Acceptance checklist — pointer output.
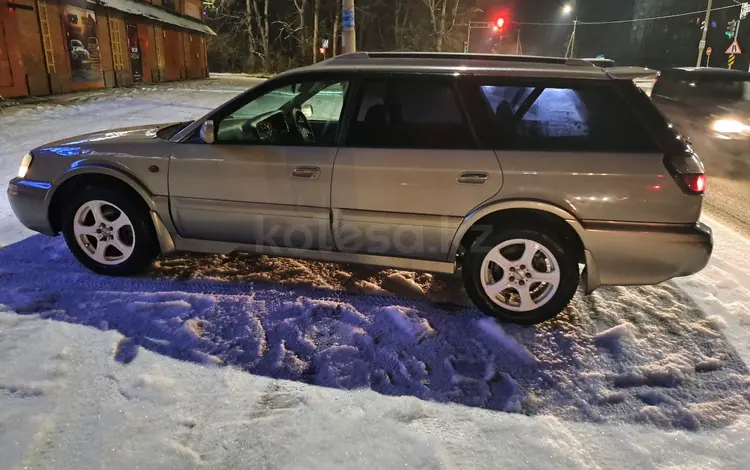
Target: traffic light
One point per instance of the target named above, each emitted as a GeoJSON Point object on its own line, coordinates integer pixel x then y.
{"type": "Point", "coordinates": [731, 29]}
{"type": "Point", "coordinates": [500, 23]}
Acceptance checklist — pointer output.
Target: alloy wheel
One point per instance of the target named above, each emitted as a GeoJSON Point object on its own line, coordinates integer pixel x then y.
{"type": "Point", "coordinates": [104, 232]}
{"type": "Point", "coordinates": [520, 275]}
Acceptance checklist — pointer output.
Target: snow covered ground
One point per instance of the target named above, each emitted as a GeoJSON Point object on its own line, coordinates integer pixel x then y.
{"type": "Point", "coordinates": [253, 362]}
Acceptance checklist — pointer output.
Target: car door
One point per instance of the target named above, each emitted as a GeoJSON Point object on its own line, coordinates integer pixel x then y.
{"type": "Point", "coordinates": [410, 169]}
{"type": "Point", "coordinates": [262, 181]}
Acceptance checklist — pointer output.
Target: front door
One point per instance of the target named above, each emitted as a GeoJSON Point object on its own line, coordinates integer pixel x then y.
{"type": "Point", "coordinates": [136, 64]}
{"type": "Point", "coordinates": [411, 170]}
{"type": "Point", "coordinates": [266, 180]}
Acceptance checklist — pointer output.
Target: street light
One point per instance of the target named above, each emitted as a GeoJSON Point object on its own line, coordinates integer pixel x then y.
{"type": "Point", "coordinates": [568, 10]}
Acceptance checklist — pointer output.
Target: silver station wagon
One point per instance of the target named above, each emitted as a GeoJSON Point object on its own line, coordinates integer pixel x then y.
{"type": "Point", "coordinates": [524, 174]}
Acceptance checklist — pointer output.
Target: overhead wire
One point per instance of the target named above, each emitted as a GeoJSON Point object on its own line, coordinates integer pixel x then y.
{"type": "Point", "coordinates": [633, 20]}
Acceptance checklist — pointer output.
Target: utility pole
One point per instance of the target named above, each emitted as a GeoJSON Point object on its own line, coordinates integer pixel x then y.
{"type": "Point", "coordinates": [348, 35]}
{"type": "Point", "coordinates": [569, 52]}
{"type": "Point", "coordinates": [702, 43]}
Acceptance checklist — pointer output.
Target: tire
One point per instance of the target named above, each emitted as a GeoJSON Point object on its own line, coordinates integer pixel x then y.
{"type": "Point", "coordinates": [486, 265]}
{"type": "Point", "coordinates": [131, 245]}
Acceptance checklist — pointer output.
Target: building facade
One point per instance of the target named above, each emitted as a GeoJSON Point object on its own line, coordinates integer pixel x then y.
{"type": "Point", "coordinates": [58, 46]}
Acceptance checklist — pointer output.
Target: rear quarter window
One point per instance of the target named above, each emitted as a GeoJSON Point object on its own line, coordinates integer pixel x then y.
{"type": "Point", "coordinates": [578, 118]}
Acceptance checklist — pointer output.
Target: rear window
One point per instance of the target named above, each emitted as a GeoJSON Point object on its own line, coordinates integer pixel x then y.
{"type": "Point", "coordinates": [566, 118]}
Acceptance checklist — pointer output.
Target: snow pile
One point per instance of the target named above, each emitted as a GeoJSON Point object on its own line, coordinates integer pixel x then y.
{"type": "Point", "coordinates": [624, 355]}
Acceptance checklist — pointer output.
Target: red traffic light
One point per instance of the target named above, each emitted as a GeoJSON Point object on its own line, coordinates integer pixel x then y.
{"type": "Point", "coordinates": [500, 22]}
{"type": "Point", "coordinates": [322, 50]}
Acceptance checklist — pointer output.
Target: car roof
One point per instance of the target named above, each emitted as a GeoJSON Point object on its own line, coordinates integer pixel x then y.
{"type": "Point", "coordinates": [472, 64]}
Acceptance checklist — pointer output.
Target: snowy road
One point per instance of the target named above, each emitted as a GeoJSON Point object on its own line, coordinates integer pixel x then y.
{"type": "Point", "coordinates": [348, 367]}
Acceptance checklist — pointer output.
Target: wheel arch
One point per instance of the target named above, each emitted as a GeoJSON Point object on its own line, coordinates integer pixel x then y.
{"type": "Point", "coordinates": [521, 211]}
{"type": "Point", "coordinates": [105, 175]}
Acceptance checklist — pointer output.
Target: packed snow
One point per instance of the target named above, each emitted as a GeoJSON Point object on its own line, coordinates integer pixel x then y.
{"type": "Point", "coordinates": [239, 361]}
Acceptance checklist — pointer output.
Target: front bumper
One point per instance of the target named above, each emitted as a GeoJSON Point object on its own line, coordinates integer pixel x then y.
{"type": "Point", "coordinates": [641, 254]}
{"type": "Point", "coordinates": [28, 199]}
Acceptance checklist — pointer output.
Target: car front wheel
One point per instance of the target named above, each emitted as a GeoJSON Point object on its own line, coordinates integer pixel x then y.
{"type": "Point", "coordinates": [520, 276]}
{"type": "Point", "coordinates": [109, 232]}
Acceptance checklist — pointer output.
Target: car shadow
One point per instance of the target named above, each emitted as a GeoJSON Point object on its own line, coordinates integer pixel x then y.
{"type": "Point", "coordinates": [644, 355]}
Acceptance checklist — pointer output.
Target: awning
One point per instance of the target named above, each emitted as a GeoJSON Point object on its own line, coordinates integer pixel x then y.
{"type": "Point", "coordinates": [155, 13]}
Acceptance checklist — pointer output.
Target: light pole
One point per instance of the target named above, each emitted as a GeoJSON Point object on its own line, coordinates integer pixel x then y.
{"type": "Point", "coordinates": [569, 51]}
{"type": "Point", "coordinates": [348, 35]}
{"type": "Point", "coordinates": [702, 43]}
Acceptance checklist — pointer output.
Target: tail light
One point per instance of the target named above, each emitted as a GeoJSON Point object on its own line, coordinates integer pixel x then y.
{"type": "Point", "coordinates": [687, 171]}
{"type": "Point", "coordinates": [696, 183]}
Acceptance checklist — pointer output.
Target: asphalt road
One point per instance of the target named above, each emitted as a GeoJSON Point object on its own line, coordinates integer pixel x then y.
{"type": "Point", "coordinates": [728, 167]}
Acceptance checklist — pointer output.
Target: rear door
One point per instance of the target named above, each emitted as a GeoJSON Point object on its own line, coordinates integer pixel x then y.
{"type": "Point", "coordinates": [410, 170]}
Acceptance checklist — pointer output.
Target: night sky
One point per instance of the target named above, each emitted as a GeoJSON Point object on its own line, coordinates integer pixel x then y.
{"type": "Point", "coordinates": [666, 43]}
{"type": "Point", "coordinates": [552, 40]}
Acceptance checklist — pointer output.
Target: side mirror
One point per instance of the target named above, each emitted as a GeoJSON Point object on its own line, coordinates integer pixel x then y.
{"type": "Point", "coordinates": [208, 132]}
{"type": "Point", "coordinates": [307, 110]}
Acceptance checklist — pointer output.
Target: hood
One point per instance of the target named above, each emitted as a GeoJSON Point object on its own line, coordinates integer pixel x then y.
{"type": "Point", "coordinates": [125, 134]}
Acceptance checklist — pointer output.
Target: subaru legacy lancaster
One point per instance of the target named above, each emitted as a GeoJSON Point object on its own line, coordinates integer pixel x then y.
{"type": "Point", "coordinates": [526, 175]}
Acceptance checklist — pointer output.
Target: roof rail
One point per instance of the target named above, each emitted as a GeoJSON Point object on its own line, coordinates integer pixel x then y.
{"type": "Point", "coordinates": [458, 56]}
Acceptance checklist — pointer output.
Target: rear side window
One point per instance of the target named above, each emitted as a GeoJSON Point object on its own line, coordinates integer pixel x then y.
{"type": "Point", "coordinates": [594, 118]}
{"type": "Point", "coordinates": [409, 113]}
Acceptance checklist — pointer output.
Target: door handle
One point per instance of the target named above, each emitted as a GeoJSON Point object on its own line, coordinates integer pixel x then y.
{"type": "Point", "coordinates": [473, 177]}
{"type": "Point", "coordinates": [307, 172]}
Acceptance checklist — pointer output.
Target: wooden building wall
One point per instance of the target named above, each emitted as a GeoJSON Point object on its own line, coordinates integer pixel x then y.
{"type": "Point", "coordinates": [167, 53]}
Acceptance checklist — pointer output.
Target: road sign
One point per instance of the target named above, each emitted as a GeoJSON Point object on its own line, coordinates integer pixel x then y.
{"type": "Point", "coordinates": [745, 10]}
{"type": "Point", "coordinates": [731, 60]}
{"type": "Point", "coordinates": [734, 48]}
{"type": "Point", "coordinates": [325, 43]}
{"type": "Point", "coordinates": [709, 51]}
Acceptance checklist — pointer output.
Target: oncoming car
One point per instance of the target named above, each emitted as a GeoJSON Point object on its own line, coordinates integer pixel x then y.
{"type": "Point", "coordinates": [712, 106]}
{"type": "Point", "coordinates": [522, 174]}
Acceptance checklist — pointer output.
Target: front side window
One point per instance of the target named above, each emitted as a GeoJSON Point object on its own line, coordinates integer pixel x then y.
{"type": "Point", "coordinates": [566, 118]}
{"type": "Point", "coordinates": [409, 113]}
{"type": "Point", "coordinates": [306, 113]}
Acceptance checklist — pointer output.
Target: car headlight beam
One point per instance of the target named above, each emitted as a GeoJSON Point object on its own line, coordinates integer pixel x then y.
{"type": "Point", "coordinates": [25, 164]}
{"type": "Point", "coordinates": [729, 126]}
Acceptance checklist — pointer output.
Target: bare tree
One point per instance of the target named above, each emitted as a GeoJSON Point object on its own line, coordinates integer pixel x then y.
{"type": "Point", "coordinates": [316, 29]}
{"type": "Point", "coordinates": [400, 19]}
{"type": "Point", "coordinates": [336, 23]}
{"type": "Point", "coordinates": [443, 14]}
{"type": "Point", "coordinates": [261, 16]}
{"type": "Point", "coordinates": [301, 7]}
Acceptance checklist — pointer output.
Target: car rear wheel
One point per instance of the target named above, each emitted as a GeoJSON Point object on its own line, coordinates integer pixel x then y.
{"type": "Point", "coordinates": [521, 276]}
{"type": "Point", "coordinates": [109, 232]}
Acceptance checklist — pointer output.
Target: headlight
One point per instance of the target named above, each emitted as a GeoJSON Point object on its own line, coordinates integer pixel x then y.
{"type": "Point", "coordinates": [25, 164]}
{"type": "Point", "coordinates": [729, 126]}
